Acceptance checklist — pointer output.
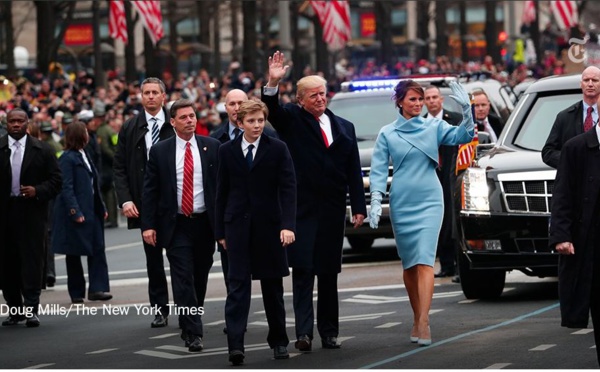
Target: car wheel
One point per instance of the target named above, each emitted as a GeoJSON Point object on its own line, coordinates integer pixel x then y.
{"type": "Point", "coordinates": [360, 243]}
{"type": "Point", "coordinates": [479, 284]}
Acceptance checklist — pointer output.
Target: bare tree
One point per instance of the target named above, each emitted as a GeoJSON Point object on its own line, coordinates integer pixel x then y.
{"type": "Point", "coordinates": [383, 31]}
{"type": "Point", "coordinates": [266, 10]}
{"type": "Point", "coordinates": [205, 9]}
{"type": "Point", "coordinates": [9, 42]}
{"type": "Point", "coordinates": [441, 29]}
{"type": "Point", "coordinates": [249, 49]}
{"type": "Point", "coordinates": [216, 71]}
{"type": "Point", "coordinates": [48, 16]}
{"type": "Point", "coordinates": [235, 39]}
{"type": "Point", "coordinates": [463, 30]}
{"type": "Point", "coordinates": [130, 65]}
{"type": "Point", "coordinates": [98, 70]}
{"type": "Point", "coordinates": [423, 29]}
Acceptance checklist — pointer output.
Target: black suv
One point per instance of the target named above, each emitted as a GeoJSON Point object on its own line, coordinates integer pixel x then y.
{"type": "Point", "coordinates": [505, 197]}
{"type": "Point", "coordinates": [369, 106]}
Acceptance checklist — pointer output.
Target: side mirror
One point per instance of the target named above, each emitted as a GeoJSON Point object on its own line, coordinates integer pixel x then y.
{"type": "Point", "coordinates": [483, 149]}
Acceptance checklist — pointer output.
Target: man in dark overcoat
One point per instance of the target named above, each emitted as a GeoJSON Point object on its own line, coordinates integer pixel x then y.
{"type": "Point", "coordinates": [255, 222]}
{"type": "Point", "coordinates": [135, 140]}
{"type": "Point", "coordinates": [571, 121]}
{"type": "Point", "coordinates": [24, 198]}
{"type": "Point", "coordinates": [574, 227]}
{"type": "Point", "coordinates": [446, 249]}
{"type": "Point", "coordinates": [327, 164]}
{"type": "Point", "coordinates": [187, 235]}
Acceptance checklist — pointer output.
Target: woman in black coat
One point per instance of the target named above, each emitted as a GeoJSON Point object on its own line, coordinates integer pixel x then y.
{"type": "Point", "coordinates": [79, 214]}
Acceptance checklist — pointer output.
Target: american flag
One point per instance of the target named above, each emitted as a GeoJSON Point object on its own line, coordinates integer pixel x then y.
{"type": "Point", "coordinates": [528, 12]}
{"type": "Point", "coordinates": [335, 20]}
{"type": "Point", "coordinates": [466, 153]}
{"type": "Point", "coordinates": [565, 13]}
{"type": "Point", "coordinates": [117, 26]}
{"type": "Point", "coordinates": [151, 18]}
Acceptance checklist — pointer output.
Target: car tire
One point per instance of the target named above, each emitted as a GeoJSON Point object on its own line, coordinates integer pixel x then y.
{"type": "Point", "coordinates": [360, 243]}
{"type": "Point", "coordinates": [480, 284]}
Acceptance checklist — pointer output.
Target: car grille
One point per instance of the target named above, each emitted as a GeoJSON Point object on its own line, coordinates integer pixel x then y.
{"type": "Point", "coordinates": [528, 196]}
{"type": "Point", "coordinates": [366, 171]}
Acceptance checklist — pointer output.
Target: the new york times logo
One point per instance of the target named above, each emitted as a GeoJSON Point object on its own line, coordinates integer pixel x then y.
{"type": "Point", "coordinates": [576, 52]}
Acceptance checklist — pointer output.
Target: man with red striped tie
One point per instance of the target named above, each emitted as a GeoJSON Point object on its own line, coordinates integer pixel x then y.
{"type": "Point", "coordinates": [180, 216]}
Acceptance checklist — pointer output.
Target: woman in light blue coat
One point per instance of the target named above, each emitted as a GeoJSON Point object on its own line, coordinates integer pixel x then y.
{"type": "Point", "coordinates": [416, 199]}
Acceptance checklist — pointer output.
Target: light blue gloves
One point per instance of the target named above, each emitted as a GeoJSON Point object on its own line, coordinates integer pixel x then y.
{"type": "Point", "coordinates": [375, 211]}
{"type": "Point", "coordinates": [460, 95]}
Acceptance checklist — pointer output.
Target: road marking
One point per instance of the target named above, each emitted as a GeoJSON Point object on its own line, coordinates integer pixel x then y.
{"type": "Point", "coordinates": [435, 311]}
{"type": "Point", "coordinates": [378, 300]}
{"type": "Point", "coordinates": [166, 335]}
{"type": "Point", "coordinates": [468, 301]}
{"type": "Point", "coordinates": [37, 366]}
{"type": "Point", "coordinates": [389, 325]}
{"type": "Point", "coordinates": [460, 336]}
{"type": "Point", "coordinates": [188, 354]}
{"type": "Point", "coordinates": [218, 322]}
{"type": "Point", "coordinates": [498, 366]}
{"type": "Point", "coordinates": [543, 347]}
{"type": "Point", "coordinates": [102, 351]}
{"type": "Point", "coordinates": [584, 331]}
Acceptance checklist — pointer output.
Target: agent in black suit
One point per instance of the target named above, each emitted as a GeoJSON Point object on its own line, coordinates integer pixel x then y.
{"type": "Point", "coordinates": [178, 201]}
{"type": "Point", "coordinates": [327, 164]}
{"type": "Point", "coordinates": [447, 158]}
{"type": "Point", "coordinates": [254, 226]}
{"type": "Point", "coordinates": [573, 232]}
{"type": "Point", "coordinates": [570, 121]}
{"type": "Point", "coordinates": [24, 198]}
{"type": "Point", "coordinates": [133, 146]}
{"type": "Point", "coordinates": [484, 119]}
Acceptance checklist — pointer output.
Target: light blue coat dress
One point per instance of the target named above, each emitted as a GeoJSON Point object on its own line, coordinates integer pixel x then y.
{"type": "Point", "coordinates": [416, 199]}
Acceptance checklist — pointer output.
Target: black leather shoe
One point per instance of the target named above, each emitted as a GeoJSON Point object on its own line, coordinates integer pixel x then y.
{"type": "Point", "coordinates": [32, 321]}
{"type": "Point", "coordinates": [77, 300]}
{"type": "Point", "coordinates": [50, 281]}
{"type": "Point", "coordinates": [99, 296]}
{"type": "Point", "coordinates": [280, 352]}
{"type": "Point", "coordinates": [13, 320]}
{"type": "Point", "coordinates": [456, 279]}
{"type": "Point", "coordinates": [195, 343]}
{"type": "Point", "coordinates": [444, 274]}
{"type": "Point", "coordinates": [159, 321]}
{"type": "Point", "coordinates": [236, 357]}
{"type": "Point", "coordinates": [303, 343]}
{"type": "Point", "coordinates": [330, 343]}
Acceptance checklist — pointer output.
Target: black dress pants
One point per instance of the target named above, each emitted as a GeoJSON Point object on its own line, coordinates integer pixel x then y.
{"type": "Point", "coordinates": [303, 282]}
{"type": "Point", "coordinates": [158, 289]}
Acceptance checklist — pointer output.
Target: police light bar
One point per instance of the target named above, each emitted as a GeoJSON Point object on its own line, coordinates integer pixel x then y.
{"type": "Point", "coordinates": [389, 84]}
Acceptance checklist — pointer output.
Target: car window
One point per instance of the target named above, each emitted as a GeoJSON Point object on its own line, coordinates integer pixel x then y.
{"type": "Point", "coordinates": [368, 114]}
{"type": "Point", "coordinates": [539, 121]}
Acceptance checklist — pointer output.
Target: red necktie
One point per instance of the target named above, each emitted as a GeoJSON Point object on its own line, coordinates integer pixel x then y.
{"type": "Point", "coordinates": [323, 133]}
{"type": "Point", "coordinates": [588, 123]}
{"type": "Point", "coordinates": [187, 195]}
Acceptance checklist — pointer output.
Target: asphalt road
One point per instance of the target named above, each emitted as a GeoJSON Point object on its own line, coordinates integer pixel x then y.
{"type": "Point", "coordinates": [520, 330]}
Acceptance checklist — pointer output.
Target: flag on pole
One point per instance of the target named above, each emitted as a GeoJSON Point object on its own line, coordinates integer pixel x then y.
{"type": "Point", "coordinates": [466, 153]}
{"type": "Point", "coordinates": [334, 17]}
{"type": "Point", "coordinates": [151, 17]}
{"type": "Point", "coordinates": [528, 13]}
{"type": "Point", "coordinates": [117, 26]}
{"type": "Point", "coordinates": [565, 13]}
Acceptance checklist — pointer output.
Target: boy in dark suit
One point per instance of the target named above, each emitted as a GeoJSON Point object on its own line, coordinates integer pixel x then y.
{"type": "Point", "coordinates": [255, 222]}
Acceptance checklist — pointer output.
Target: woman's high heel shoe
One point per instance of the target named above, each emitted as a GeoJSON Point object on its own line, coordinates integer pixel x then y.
{"type": "Point", "coordinates": [425, 341]}
{"type": "Point", "coordinates": [414, 339]}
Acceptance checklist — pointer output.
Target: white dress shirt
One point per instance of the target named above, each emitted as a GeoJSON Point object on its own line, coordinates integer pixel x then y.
{"type": "Point", "coordinates": [325, 125]}
{"type": "Point", "coordinates": [180, 144]}
{"type": "Point", "coordinates": [245, 145]}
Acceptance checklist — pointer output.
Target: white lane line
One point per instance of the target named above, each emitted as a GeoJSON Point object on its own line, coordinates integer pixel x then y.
{"type": "Point", "coordinates": [218, 322]}
{"type": "Point", "coordinates": [435, 311]}
{"type": "Point", "coordinates": [467, 301]}
{"type": "Point", "coordinates": [102, 351]}
{"type": "Point", "coordinates": [389, 325]}
{"type": "Point", "coordinates": [584, 331]}
{"type": "Point", "coordinates": [166, 335]}
{"type": "Point", "coordinates": [37, 366]}
{"type": "Point", "coordinates": [187, 354]}
{"type": "Point", "coordinates": [375, 300]}
{"type": "Point", "coordinates": [543, 347]}
{"type": "Point", "coordinates": [498, 366]}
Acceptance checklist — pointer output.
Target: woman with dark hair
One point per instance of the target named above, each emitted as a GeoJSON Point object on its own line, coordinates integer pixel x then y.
{"type": "Point", "coordinates": [416, 199]}
{"type": "Point", "coordinates": [79, 215]}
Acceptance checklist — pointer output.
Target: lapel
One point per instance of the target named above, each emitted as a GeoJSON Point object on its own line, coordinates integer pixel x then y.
{"type": "Point", "coordinates": [314, 125]}
{"type": "Point", "coordinates": [80, 161]}
{"type": "Point", "coordinates": [237, 153]}
{"type": "Point", "coordinates": [142, 129]}
{"type": "Point", "coordinates": [579, 118]}
{"type": "Point", "coordinates": [5, 159]}
{"type": "Point", "coordinates": [263, 148]}
{"type": "Point", "coordinates": [202, 149]}
{"type": "Point", "coordinates": [171, 152]}
{"type": "Point", "coordinates": [336, 128]}
{"type": "Point", "coordinates": [31, 150]}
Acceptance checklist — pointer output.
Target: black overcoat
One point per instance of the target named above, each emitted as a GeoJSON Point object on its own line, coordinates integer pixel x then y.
{"type": "Point", "coordinates": [576, 219]}
{"type": "Point", "coordinates": [130, 160]}
{"type": "Point", "coordinates": [39, 169]}
{"type": "Point", "coordinates": [253, 206]}
{"type": "Point", "coordinates": [568, 124]}
{"type": "Point", "coordinates": [324, 176]}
